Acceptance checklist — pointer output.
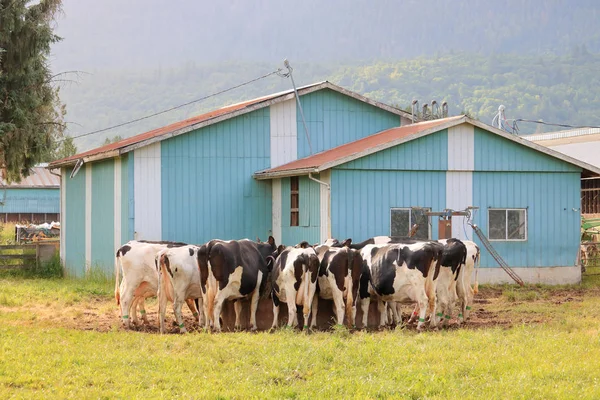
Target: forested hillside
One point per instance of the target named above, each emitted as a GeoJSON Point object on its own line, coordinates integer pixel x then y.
{"type": "Point", "coordinates": [561, 89]}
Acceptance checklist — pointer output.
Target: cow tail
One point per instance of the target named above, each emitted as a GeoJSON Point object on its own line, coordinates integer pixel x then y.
{"type": "Point", "coordinates": [349, 298]}
{"type": "Point", "coordinates": [165, 283]}
{"type": "Point", "coordinates": [477, 262]}
{"type": "Point", "coordinates": [117, 271]}
{"type": "Point", "coordinates": [211, 292]}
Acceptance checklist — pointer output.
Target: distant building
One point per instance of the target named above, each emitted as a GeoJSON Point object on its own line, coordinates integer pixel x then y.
{"type": "Point", "coordinates": [36, 199]}
{"type": "Point", "coordinates": [582, 144]}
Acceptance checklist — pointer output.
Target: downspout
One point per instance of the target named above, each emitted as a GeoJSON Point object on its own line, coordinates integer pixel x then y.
{"type": "Point", "coordinates": [328, 186]}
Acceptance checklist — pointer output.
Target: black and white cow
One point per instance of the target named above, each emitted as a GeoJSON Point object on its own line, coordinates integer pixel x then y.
{"type": "Point", "coordinates": [233, 270]}
{"type": "Point", "coordinates": [178, 281]}
{"type": "Point", "coordinates": [294, 282]}
{"type": "Point", "coordinates": [382, 240]}
{"type": "Point", "coordinates": [338, 280]}
{"type": "Point", "coordinates": [464, 290]}
{"type": "Point", "coordinates": [136, 259]}
{"type": "Point", "coordinates": [397, 273]}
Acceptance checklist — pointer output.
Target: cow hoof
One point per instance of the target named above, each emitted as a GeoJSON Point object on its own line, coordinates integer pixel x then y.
{"type": "Point", "coordinates": [253, 329]}
{"type": "Point", "coordinates": [238, 328]}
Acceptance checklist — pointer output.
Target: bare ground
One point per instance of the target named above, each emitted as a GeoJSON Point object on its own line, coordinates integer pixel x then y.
{"type": "Point", "coordinates": [491, 308]}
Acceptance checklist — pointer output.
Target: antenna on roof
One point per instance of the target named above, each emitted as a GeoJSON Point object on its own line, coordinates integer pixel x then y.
{"type": "Point", "coordinates": [288, 74]}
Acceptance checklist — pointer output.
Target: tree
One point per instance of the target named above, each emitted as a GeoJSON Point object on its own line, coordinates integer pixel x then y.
{"type": "Point", "coordinates": [65, 149]}
{"type": "Point", "coordinates": [30, 112]}
{"type": "Point", "coordinates": [113, 140]}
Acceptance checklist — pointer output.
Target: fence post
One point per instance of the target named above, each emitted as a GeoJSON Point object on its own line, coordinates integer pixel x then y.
{"type": "Point", "coordinates": [37, 255]}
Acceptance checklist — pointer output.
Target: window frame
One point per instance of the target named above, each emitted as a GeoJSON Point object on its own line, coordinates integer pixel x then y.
{"type": "Point", "coordinates": [410, 222]}
{"type": "Point", "coordinates": [506, 210]}
{"type": "Point", "coordinates": [295, 192]}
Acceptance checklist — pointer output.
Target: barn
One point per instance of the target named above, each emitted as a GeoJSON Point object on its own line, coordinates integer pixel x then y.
{"type": "Point", "coordinates": [527, 195]}
{"type": "Point", "coordinates": [35, 199]}
{"type": "Point", "coordinates": [249, 170]}
{"type": "Point", "coordinates": [192, 181]}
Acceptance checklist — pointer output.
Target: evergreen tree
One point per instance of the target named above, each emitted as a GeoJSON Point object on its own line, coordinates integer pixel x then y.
{"type": "Point", "coordinates": [30, 112]}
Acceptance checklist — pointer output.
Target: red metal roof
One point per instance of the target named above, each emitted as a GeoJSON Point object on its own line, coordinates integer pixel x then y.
{"type": "Point", "coordinates": [359, 146]}
{"type": "Point", "coordinates": [109, 150]}
{"type": "Point", "coordinates": [40, 177]}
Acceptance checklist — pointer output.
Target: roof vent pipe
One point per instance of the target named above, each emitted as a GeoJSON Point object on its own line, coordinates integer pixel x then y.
{"type": "Point", "coordinates": [444, 110]}
{"type": "Point", "coordinates": [414, 109]}
{"type": "Point", "coordinates": [435, 109]}
{"type": "Point", "coordinates": [425, 107]}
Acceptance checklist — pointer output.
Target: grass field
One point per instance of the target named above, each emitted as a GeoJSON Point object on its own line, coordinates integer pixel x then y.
{"type": "Point", "coordinates": [62, 339]}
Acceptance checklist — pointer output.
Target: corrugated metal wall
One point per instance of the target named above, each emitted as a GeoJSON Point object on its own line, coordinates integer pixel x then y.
{"type": "Point", "coordinates": [361, 199]}
{"type": "Point", "coordinates": [429, 153]}
{"type": "Point", "coordinates": [310, 213]}
{"type": "Point", "coordinates": [334, 119]}
{"type": "Point", "coordinates": [102, 222]}
{"type": "Point", "coordinates": [494, 153]}
{"type": "Point", "coordinates": [207, 186]}
{"type": "Point", "coordinates": [31, 201]}
{"type": "Point", "coordinates": [74, 220]}
{"type": "Point", "coordinates": [553, 219]}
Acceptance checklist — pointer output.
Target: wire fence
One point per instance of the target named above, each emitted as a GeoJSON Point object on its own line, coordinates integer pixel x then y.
{"type": "Point", "coordinates": [589, 256]}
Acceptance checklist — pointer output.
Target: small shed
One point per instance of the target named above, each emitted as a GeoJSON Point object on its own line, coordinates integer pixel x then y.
{"type": "Point", "coordinates": [35, 199]}
{"type": "Point", "coordinates": [527, 195]}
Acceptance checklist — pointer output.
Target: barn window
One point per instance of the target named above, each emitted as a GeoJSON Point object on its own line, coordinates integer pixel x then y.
{"type": "Point", "coordinates": [508, 224]}
{"type": "Point", "coordinates": [402, 220]}
{"type": "Point", "coordinates": [295, 201]}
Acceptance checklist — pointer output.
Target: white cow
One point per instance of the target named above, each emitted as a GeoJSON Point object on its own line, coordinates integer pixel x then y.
{"type": "Point", "coordinates": [294, 281]}
{"type": "Point", "coordinates": [136, 260]}
{"type": "Point", "coordinates": [464, 290]}
{"type": "Point", "coordinates": [178, 281]}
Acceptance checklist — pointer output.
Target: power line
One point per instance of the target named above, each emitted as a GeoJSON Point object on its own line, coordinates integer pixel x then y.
{"type": "Point", "coordinates": [176, 107]}
{"type": "Point", "coordinates": [553, 124]}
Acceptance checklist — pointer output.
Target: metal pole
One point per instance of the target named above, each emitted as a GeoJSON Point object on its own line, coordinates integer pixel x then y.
{"type": "Point", "coordinates": [287, 65]}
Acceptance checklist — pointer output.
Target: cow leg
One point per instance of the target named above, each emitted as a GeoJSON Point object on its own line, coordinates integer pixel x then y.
{"type": "Point", "coordinates": [423, 302]}
{"type": "Point", "coordinates": [275, 311]}
{"type": "Point", "coordinates": [315, 310]}
{"type": "Point", "coordinates": [382, 313]}
{"type": "Point", "coordinates": [364, 306]}
{"type": "Point", "coordinates": [237, 306]}
{"type": "Point", "coordinates": [127, 301]}
{"type": "Point", "coordinates": [177, 311]}
{"type": "Point", "coordinates": [133, 310]}
{"type": "Point", "coordinates": [338, 304]}
{"type": "Point", "coordinates": [393, 306]}
{"type": "Point", "coordinates": [463, 300]}
{"type": "Point", "coordinates": [414, 315]}
{"type": "Point", "coordinates": [219, 300]}
{"type": "Point", "coordinates": [253, 307]}
{"type": "Point", "coordinates": [142, 307]}
{"type": "Point", "coordinates": [470, 298]}
{"type": "Point", "coordinates": [192, 306]}
{"type": "Point", "coordinates": [291, 303]}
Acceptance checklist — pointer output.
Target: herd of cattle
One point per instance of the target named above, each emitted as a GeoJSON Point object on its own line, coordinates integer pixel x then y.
{"type": "Point", "coordinates": [432, 275]}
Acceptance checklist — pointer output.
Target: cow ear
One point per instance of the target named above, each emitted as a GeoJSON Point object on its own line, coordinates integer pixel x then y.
{"type": "Point", "coordinates": [347, 242]}
{"type": "Point", "coordinates": [271, 241]}
{"type": "Point", "coordinates": [258, 240]}
{"type": "Point", "coordinates": [280, 249]}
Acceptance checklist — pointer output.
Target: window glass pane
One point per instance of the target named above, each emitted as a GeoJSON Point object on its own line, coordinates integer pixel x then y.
{"type": "Point", "coordinates": [497, 220]}
{"type": "Point", "coordinates": [400, 222]}
{"type": "Point", "coordinates": [294, 200]}
{"type": "Point", "coordinates": [418, 217]}
{"type": "Point", "coordinates": [516, 224]}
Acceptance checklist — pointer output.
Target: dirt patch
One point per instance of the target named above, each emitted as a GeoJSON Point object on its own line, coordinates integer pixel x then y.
{"type": "Point", "coordinates": [492, 308]}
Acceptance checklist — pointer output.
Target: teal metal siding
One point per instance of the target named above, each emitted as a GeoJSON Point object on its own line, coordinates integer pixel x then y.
{"type": "Point", "coordinates": [74, 220]}
{"type": "Point", "coordinates": [428, 153]}
{"type": "Point", "coordinates": [334, 119]}
{"type": "Point", "coordinates": [495, 153]}
{"type": "Point", "coordinates": [361, 199]}
{"type": "Point", "coordinates": [37, 201]}
{"type": "Point", "coordinates": [126, 199]}
{"type": "Point", "coordinates": [552, 223]}
{"type": "Point", "coordinates": [103, 215]}
{"type": "Point", "coordinates": [207, 186]}
{"type": "Point", "coordinates": [310, 213]}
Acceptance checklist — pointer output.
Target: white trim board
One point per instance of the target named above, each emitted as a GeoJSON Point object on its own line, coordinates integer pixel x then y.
{"type": "Point", "coordinates": [117, 204]}
{"type": "Point", "coordinates": [276, 210]}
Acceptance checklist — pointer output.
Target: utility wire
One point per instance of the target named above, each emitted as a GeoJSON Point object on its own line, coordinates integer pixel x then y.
{"type": "Point", "coordinates": [176, 107]}
{"type": "Point", "coordinates": [552, 124]}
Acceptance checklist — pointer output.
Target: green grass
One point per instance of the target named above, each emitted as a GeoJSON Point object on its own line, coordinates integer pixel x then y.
{"type": "Point", "coordinates": [556, 358]}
